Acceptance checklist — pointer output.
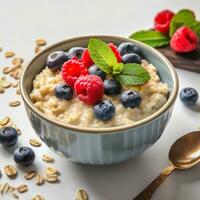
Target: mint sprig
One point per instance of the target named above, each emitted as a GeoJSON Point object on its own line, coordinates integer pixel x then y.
{"type": "Point", "coordinates": [184, 17]}
{"type": "Point", "coordinates": [151, 37]}
{"type": "Point", "coordinates": [133, 74]}
{"type": "Point", "coordinates": [105, 59]}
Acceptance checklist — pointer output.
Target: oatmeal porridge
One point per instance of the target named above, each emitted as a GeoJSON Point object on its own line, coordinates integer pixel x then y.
{"type": "Point", "coordinates": [73, 89]}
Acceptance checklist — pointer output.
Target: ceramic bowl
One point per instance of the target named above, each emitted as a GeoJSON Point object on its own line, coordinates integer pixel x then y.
{"type": "Point", "coordinates": [99, 145]}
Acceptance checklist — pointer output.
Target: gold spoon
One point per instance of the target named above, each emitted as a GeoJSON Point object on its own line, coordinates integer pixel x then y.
{"type": "Point", "coordinates": [183, 154]}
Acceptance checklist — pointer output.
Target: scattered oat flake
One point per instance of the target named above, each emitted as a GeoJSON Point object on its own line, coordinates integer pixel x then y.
{"type": "Point", "coordinates": [30, 175]}
{"type": "Point", "coordinates": [14, 103]}
{"type": "Point", "coordinates": [22, 188]}
{"type": "Point", "coordinates": [40, 42]}
{"type": "Point", "coordinates": [6, 70]}
{"type": "Point", "coordinates": [38, 197]}
{"type": "Point", "coordinates": [9, 54]}
{"type": "Point", "coordinates": [1, 90]}
{"type": "Point", "coordinates": [35, 142]}
{"type": "Point", "coordinates": [17, 61]}
{"type": "Point", "coordinates": [81, 195]}
{"type": "Point", "coordinates": [51, 178]}
{"type": "Point", "coordinates": [15, 74]}
{"type": "Point", "coordinates": [39, 179]}
{"type": "Point", "coordinates": [4, 83]}
{"type": "Point", "coordinates": [37, 49]}
{"type": "Point", "coordinates": [47, 158]}
{"type": "Point", "coordinates": [10, 171]}
{"type": "Point", "coordinates": [4, 121]}
{"type": "Point", "coordinates": [4, 188]}
{"type": "Point", "coordinates": [51, 171]}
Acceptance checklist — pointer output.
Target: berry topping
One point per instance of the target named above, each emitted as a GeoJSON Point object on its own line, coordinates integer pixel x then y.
{"type": "Point", "coordinates": [129, 47]}
{"type": "Point", "coordinates": [112, 87]}
{"type": "Point", "coordinates": [71, 70]}
{"type": "Point", "coordinates": [89, 89]}
{"type": "Point", "coordinates": [162, 21]}
{"type": "Point", "coordinates": [87, 60]}
{"type": "Point", "coordinates": [130, 99]}
{"type": "Point", "coordinates": [94, 70]}
{"type": "Point", "coordinates": [56, 59]}
{"type": "Point", "coordinates": [115, 51]}
{"type": "Point", "coordinates": [131, 58]}
{"type": "Point", "coordinates": [24, 156]}
{"type": "Point", "coordinates": [8, 136]}
{"type": "Point", "coordinates": [104, 110]}
{"type": "Point", "coordinates": [63, 91]}
{"type": "Point", "coordinates": [75, 52]}
{"type": "Point", "coordinates": [189, 96]}
{"type": "Point", "coordinates": [184, 40]}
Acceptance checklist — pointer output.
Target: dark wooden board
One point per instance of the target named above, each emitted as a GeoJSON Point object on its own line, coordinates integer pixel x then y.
{"type": "Point", "coordinates": [189, 61]}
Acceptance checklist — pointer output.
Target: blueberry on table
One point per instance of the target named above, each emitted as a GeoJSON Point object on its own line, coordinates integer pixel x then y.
{"type": "Point", "coordinates": [24, 156]}
{"type": "Point", "coordinates": [112, 87]}
{"type": "Point", "coordinates": [189, 96]}
{"type": "Point", "coordinates": [94, 70]}
{"type": "Point", "coordinates": [104, 110]}
{"type": "Point", "coordinates": [131, 58]}
{"type": "Point", "coordinates": [63, 91]}
{"type": "Point", "coordinates": [8, 136]}
{"type": "Point", "coordinates": [75, 52]}
{"type": "Point", "coordinates": [130, 99]}
{"type": "Point", "coordinates": [56, 59]}
{"type": "Point", "coordinates": [129, 47]}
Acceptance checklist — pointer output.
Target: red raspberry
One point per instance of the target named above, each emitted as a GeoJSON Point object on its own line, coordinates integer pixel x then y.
{"type": "Point", "coordinates": [115, 51]}
{"type": "Point", "coordinates": [71, 70]}
{"type": "Point", "coordinates": [89, 89]}
{"type": "Point", "coordinates": [184, 40]}
{"type": "Point", "coordinates": [87, 60]}
{"type": "Point", "coordinates": [162, 21]}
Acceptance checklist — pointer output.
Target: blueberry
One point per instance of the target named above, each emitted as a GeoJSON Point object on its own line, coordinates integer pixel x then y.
{"type": "Point", "coordinates": [130, 99]}
{"type": "Point", "coordinates": [24, 156]}
{"type": "Point", "coordinates": [131, 58]}
{"type": "Point", "coordinates": [112, 87]}
{"type": "Point", "coordinates": [56, 59]}
{"type": "Point", "coordinates": [104, 110]}
{"type": "Point", "coordinates": [129, 47]}
{"type": "Point", "coordinates": [94, 70]}
{"type": "Point", "coordinates": [76, 52]}
{"type": "Point", "coordinates": [8, 136]}
{"type": "Point", "coordinates": [189, 96]}
{"type": "Point", "coordinates": [63, 91]}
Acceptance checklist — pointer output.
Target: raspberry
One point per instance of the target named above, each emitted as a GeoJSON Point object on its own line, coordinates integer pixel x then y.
{"type": "Point", "coordinates": [115, 51]}
{"type": "Point", "coordinates": [184, 40]}
{"type": "Point", "coordinates": [89, 89]}
{"type": "Point", "coordinates": [87, 60]}
{"type": "Point", "coordinates": [162, 21]}
{"type": "Point", "coordinates": [71, 70]}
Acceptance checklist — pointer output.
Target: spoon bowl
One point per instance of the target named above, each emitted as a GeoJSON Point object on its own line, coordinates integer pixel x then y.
{"type": "Point", "coordinates": [185, 152]}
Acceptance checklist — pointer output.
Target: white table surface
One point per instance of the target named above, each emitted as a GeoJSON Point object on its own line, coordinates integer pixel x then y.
{"type": "Point", "coordinates": [21, 22]}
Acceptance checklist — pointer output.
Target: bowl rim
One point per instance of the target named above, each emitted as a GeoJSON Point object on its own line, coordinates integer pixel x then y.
{"type": "Point", "coordinates": [116, 129]}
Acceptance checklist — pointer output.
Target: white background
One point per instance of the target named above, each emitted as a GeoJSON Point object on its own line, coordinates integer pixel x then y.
{"type": "Point", "coordinates": [21, 22]}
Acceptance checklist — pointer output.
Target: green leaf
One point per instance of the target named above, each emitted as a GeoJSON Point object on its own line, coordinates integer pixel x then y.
{"type": "Point", "coordinates": [151, 37]}
{"type": "Point", "coordinates": [184, 17]}
{"type": "Point", "coordinates": [195, 26]}
{"type": "Point", "coordinates": [133, 74]}
{"type": "Point", "coordinates": [102, 55]}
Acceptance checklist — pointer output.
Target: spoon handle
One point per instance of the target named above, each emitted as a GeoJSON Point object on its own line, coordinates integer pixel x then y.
{"type": "Point", "coordinates": [147, 193]}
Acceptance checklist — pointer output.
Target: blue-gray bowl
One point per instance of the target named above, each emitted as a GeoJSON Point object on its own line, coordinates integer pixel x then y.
{"type": "Point", "coordinates": [99, 145]}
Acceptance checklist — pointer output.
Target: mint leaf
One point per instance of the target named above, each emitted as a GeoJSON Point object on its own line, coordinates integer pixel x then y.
{"type": "Point", "coordinates": [133, 74]}
{"type": "Point", "coordinates": [184, 17]}
{"type": "Point", "coordinates": [195, 26]}
{"type": "Point", "coordinates": [102, 55]}
{"type": "Point", "coordinates": [151, 37]}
